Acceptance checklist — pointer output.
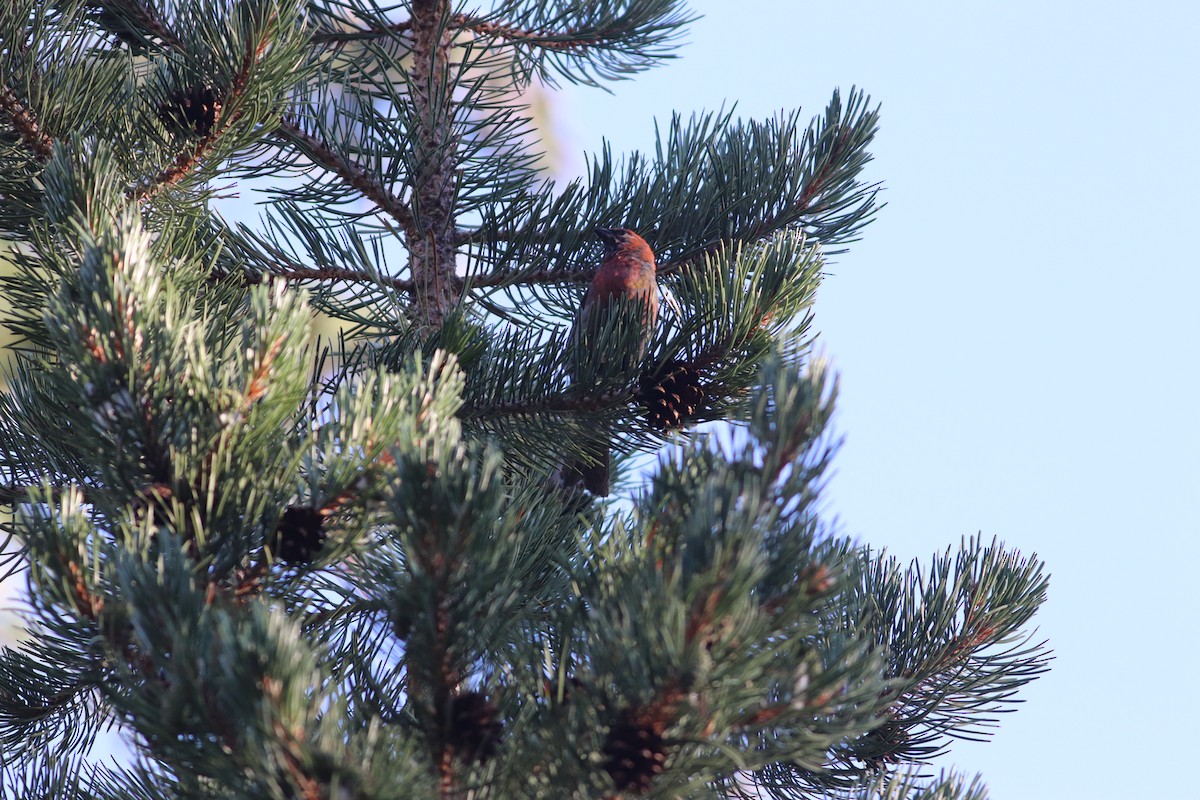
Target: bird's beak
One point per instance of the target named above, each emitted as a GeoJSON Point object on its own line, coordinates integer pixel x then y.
{"type": "Point", "coordinates": [608, 235]}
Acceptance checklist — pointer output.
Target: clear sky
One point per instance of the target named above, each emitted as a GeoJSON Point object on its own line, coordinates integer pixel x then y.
{"type": "Point", "coordinates": [1016, 334]}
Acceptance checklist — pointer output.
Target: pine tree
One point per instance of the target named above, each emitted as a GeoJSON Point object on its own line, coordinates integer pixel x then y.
{"type": "Point", "coordinates": [293, 566]}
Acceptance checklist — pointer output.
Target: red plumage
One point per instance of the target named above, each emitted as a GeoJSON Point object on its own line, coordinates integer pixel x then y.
{"type": "Point", "coordinates": [628, 270]}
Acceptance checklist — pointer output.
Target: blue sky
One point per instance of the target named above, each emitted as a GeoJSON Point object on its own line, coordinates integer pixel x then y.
{"type": "Point", "coordinates": [1015, 334]}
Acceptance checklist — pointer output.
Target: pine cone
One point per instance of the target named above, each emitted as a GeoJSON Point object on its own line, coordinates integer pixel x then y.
{"type": "Point", "coordinates": [300, 535]}
{"type": "Point", "coordinates": [193, 110]}
{"type": "Point", "coordinates": [636, 753]}
{"type": "Point", "coordinates": [475, 726]}
{"type": "Point", "coordinates": [672, 399]}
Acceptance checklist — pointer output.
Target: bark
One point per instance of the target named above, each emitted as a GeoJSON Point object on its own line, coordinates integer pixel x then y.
{"type": "Point", "coordinates": [431, 238]}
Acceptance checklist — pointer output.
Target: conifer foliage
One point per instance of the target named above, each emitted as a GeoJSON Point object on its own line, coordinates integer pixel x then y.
{"type": "Point", "coordinates": [288, 566]}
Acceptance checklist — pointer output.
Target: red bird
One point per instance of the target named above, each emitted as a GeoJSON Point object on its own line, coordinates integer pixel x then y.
{"type": "Point", "coordinates": [628, 271]}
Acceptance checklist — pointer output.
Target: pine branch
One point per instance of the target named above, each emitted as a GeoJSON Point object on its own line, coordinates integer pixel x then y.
{"type": "Point", "coordinates": [711, 183]}
{"type": "Point", "coordinates": [956, 654]}
{"type": "Point", "coordinates": [586, 43]}
{"type": "Point", "coordinates": [568, 40]}
{"type": "Point", "coordinates": [183, 165]}
{"type": "Point", "coordinates": [562, 41]}
{"type": "Point", "coordinates": [485, 27]}
{"type": "Point", "coordinates": [234, 97]}
{"type": "Point", "coordinates": [135, 22]}
{"type": "Point", "coordinates": [295, 272]}
{"type": "Point", "coordinates": [41, 700]}
{"type": "Point", "coordinates": [367, 33]}
{"type": "Point", "coordinates": [605, 40]}
{"type": "Point", "coordinates": [353, 174]}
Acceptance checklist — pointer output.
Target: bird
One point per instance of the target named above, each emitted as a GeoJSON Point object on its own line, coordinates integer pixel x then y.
{"type": "Point", "coordinates": [628, 270]}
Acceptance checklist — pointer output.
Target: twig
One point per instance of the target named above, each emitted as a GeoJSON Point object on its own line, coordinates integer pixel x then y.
{"type": "Point", "coordinates": [347, 170]}
{"type": "Point", "coordinates": [550, 40]}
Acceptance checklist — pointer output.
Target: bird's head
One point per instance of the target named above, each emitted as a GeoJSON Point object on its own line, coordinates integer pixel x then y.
{"type": "Point", "coordinates": [617, 240]}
